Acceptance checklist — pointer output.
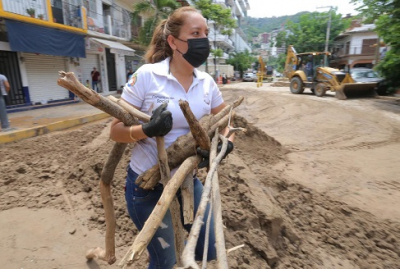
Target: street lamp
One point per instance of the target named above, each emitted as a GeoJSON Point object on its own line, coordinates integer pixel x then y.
{"type": "Point", "coordinates": [328, 31]}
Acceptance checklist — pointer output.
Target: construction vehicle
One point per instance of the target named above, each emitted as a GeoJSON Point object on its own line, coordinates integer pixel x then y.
{"type": "Point", "coordinates": [264, 72]}
{"type": "Point", "coordinates": [309, 70]}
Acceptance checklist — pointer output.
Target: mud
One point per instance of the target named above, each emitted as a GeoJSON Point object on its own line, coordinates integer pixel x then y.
{"type": "Point", "coordinates": [51, 210]}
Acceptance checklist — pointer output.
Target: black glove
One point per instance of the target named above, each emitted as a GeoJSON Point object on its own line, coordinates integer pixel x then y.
{"type": "Point", "coordinates": [160, 122]}
{"type": "Point", "coordinates": [206, 154]}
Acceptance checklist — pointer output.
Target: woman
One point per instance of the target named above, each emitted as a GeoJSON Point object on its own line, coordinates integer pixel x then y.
{"type": "Point", "coordinates": [178, 46]}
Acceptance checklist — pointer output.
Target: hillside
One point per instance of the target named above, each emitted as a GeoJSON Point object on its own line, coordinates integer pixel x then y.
{"type": "Point", "coordinates": [254, 26]}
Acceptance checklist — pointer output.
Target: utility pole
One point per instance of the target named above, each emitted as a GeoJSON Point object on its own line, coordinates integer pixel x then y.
{"type": "Point", "coordinates": [328, 31]}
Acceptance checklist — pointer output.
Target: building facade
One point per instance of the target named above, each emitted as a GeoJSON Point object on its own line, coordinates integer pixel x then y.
{"type": "Point", "coordinates": [356, 47]}
{"type": "Point", "coordinates": [40, 38]}
{"type": "Point", "coordinates": [236, 42]}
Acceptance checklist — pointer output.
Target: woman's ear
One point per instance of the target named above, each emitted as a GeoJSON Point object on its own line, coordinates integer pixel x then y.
{"type": "Point", "coordinates": [171, 42]}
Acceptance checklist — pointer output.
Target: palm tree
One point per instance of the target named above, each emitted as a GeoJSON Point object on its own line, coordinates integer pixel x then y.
{"type": "Point", "coordinates": [155, 11]}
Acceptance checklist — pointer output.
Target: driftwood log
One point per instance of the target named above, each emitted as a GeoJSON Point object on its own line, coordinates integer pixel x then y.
{"type": "Point", "coordinates": [186, 145]}
{"type": "Point", "coordinates": [160, 171]}
{"type": "Point", "coordinates": [69, 81]}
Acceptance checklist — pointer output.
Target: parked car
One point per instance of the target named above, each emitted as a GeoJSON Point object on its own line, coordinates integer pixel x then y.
{"type": "Point", "coordinates": [361, 74]}
{"type": "Point", "coordinates": [250, 77]}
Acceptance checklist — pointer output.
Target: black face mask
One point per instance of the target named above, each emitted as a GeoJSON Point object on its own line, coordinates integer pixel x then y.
{"type": "Point", "coordinates": [198, 51]}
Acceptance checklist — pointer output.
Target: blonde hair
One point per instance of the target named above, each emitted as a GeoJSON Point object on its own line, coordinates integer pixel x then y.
{"type": "Point", "coordinates": [159, 48]}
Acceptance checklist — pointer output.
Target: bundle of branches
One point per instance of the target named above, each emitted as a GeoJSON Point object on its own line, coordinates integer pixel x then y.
{"type": "Point", "coordinates": [181, 153]}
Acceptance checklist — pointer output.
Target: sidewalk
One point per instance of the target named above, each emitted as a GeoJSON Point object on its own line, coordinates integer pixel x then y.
{"type": "Point", "coordinates": [35, 122]}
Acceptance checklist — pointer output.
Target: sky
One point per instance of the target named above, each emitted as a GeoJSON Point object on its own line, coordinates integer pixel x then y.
{"type": "Point", "coordinates": [268, 8]}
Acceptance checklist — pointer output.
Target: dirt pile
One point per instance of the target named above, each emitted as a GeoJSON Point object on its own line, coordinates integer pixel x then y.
{"type": "Point", "coordinates": [281, 224]}
{"type": "Point", "coordinates": [280, 84]}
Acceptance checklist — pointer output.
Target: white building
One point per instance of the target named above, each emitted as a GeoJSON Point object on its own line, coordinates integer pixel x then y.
{"type": "Point", "coordinates": [236, 42]}
{"type": "Point", "coordinates": [356, 47]}
{"type": "Point", "coordinates": [42, 37]}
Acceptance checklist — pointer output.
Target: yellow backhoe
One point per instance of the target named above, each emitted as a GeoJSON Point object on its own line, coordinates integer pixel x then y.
{"type": "Point", "coordinates": [309, 70]}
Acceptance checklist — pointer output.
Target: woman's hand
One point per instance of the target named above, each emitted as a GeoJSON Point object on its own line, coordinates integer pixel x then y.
{"type": "Point", "coordinates": [160, 122]}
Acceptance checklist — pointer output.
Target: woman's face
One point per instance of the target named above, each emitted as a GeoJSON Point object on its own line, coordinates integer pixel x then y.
{"type": "Point", "coordinates": [195, 26]}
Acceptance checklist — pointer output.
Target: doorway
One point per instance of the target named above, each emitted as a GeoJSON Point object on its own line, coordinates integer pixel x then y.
{"type": "Point", "coordinates": [9, 67]}
{"type": "Point", "coordinates": [112, 76]}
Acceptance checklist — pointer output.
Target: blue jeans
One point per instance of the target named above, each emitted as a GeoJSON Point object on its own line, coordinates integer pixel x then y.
{"type": "Point", "coordinates": [95, 84]}
{"type": "Point", "coordinates": [3, 113]}
{"type": "Point", "coordinates": [161, 248]}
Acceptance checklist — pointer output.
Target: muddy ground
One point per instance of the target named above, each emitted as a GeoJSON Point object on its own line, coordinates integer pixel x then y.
{"type": "Point", "coordinates": [313, 183]}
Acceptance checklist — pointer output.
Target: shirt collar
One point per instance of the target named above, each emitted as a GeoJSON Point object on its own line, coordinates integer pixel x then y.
{"type": "Point", "coordinates": [162, 69]}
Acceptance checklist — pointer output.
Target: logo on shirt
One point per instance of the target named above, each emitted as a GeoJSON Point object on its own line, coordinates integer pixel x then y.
{"type": "Point", "coordinates": [132, 80]}
{"type": "Point", "coordinates": [162, 99]}
{"type": "Point", "coordinates": [206, 98]}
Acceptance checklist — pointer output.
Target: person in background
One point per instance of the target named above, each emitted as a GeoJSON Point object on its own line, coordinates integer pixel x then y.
{"type": "Point", "coordinates": [179, 45]}
{"type": "Point", "coordinates": [4, 89]}
{"type": "Point", "coordinates": [224, 79]}
{"type": "Point", "coordinates": [129, 74]}
{"type": "Point", "coordinates": [95, 79]}
{"type": "Point", "coordinates": [87, 84]}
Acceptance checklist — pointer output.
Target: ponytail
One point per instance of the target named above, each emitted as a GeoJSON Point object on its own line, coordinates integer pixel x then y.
{"type": "Point", "coordinates": [159, 48]}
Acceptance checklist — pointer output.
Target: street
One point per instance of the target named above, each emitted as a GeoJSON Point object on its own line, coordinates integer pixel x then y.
{"type": "Point", "coordinates": [313, 183]}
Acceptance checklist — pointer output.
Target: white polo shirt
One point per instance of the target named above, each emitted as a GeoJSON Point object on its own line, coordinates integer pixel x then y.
{"type": "Point", "coordinates": [149, 87]}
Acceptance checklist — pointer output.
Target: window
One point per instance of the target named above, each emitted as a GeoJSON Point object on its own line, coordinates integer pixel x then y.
{"type": "Point", "coordinates": [90, 5]}
{"type": "Point", "coordinates": [347, 48]}
{"type": "Point", "coordinates": [368, 46]}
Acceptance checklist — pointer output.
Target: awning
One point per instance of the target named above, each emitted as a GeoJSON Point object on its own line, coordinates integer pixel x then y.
{"type": "Point", "coordinates": [33, 38]}
{"type": "Point", "coordinates": [116, 47]}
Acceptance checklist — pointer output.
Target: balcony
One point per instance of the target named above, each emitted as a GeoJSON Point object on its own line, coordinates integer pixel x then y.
{"type": "Point", "coordinates": [238, 10]}
{"type": "Point", "coordinates": [115, 22]}
{"type": "Point", "coordinates": [35, 9]}
{"type": "Point", "coordinates": [63, 12]}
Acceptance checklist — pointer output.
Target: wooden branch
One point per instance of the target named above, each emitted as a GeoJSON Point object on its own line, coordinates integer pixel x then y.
{"type": "Point", "coordinates": [184, 146]}
{"type": "Point", "coordinates": [69, 81]}
{"type": "Point", "coordinates": [174, 207]}
{"type": "Point", "coordinates": [181, 149]}
{"type": "Point", "coordinates": [107, 175]}
{"type": "Point", "coordinates": [207, 235]}
{"type": "Point", "coordinates": [187, 192]}
{"type": "Point", "coordinates": [111, 164]}
{"type": "Point", "coordinates": [189, 251]}
{"type": "Point", "coordinates": [225, 111]}
{"type": "Point", "coordinates": [128, 107]}
{"type": "Point", "coordinates": [198, 132]}
{"type": "Point", "coordinates": [154, 220]}
{"type": "Point", "coordinates": [218, 226]}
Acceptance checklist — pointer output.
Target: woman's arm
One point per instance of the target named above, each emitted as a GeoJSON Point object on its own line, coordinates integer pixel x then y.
{"type": "Point", "coordinates": [225, 131]}
{"type": "Point", "coordinates": [126, 134]}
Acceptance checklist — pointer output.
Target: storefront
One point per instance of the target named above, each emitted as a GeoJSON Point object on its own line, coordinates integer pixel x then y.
{"type": "Point", "coordinates": [115, 54]}
{"type": "Point", "coordinates": [41, 53]}
{"type": "Point", "coordinates": [95, 54]}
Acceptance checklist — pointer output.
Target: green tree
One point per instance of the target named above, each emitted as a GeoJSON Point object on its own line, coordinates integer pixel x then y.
{"type": "Point", "coordinates": [156, 12]}
{"type": "Point", "coordinates": [241, 61]}
{"type": "Point", "coordinates": [221, 18]}
{"type": "Point", "coordinates": [310, 33]}
{"type": "Point", "coordinates": [386, 15]}
{"type": "Point", "coordinates": [278, 62]}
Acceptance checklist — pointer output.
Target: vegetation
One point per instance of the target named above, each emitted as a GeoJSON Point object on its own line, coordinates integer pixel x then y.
{"type": "Point", "coordinates": [31, 12]}
{"type": "Point", "coordinates": [222, 22]}
{"type": "Point", "coordinates": [386, 15]}
{"type": "Point", "coordinates": [155, 12]}
{"type": "Point", "coordinates": [278, 62]}
{"type": "Point", "coordinates": [241, 61]}
{"type": "Point", "coordinates": [255, 26]}
{"type": "Point", "coordinates": [310, 33]}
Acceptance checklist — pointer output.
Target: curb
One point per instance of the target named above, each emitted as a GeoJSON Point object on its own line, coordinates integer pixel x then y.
{"type": "Point", "coordinates": [45, 129]}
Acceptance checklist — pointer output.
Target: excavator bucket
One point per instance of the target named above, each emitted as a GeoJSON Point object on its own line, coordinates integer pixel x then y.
{"type": "Point", "coordinates": [356, 90]}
